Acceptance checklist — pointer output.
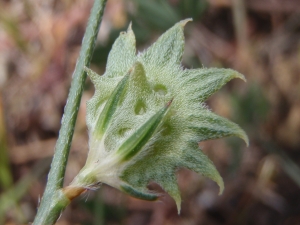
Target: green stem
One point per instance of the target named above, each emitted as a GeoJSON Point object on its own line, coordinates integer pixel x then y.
{"type": "Point", "coordinates": [54, 201]}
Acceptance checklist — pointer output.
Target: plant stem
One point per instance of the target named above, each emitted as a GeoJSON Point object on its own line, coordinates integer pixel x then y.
{"type": "Point", "coordinates": [54, 200]}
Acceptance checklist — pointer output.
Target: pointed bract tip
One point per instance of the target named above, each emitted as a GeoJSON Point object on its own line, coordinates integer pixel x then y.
{"type": "Point", "coordinates": [128, 32]}
{"type": "Point", "coordinates": [245, 138]}
{"type": "Point", "coordinates": [184, 22]}
{"type": "Point", "coordinates": [178, 204]}
{"type": "Point", "coordinates": [247, 142]}
{"type": "Point", "coordinates": [177, 199]}
{"type": "Point", "coordinates": [92, 75]}
{"type": "Point", "coordinates": [129, 29]}
{"type": "Point", "coordinates": [221, 186]}
{"type": "Point", "coordinates": [240, 76]}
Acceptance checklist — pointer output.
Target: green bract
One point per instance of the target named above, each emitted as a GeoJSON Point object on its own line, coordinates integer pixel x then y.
{"type": "Point", "coordinates": [147, 117]}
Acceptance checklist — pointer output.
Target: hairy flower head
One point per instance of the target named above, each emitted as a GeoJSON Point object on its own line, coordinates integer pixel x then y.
{"type": "Point", "coordinates": [147, 116]}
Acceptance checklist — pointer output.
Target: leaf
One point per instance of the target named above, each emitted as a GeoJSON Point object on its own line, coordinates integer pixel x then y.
{"type": "Point", "coordinates": [168, 49]}
{"type": "Point", "coordinates": [142, 139]}
{"type": "Point", "coordinates": [211, 126]}
{"type": "Point", "coordinates": [205, 81]}
{"type": "Point", "coordinates": [104, 87]}
{"type": "Point", "coordinates": [122, 55]}
{"type": "Point", "coordinates": [110, 107]}
{"type": "Point", "coordinates": [141, 136]}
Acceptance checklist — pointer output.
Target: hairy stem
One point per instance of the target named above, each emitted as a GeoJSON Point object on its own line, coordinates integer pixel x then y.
{"type": "Point", "coordinates": [54, 199]}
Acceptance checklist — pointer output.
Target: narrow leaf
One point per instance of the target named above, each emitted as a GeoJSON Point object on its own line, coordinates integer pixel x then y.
{"type": "Point", "coordinates": [204, 82]}
{"type": "Point", "coordinates": [138, 194]}
{"type": "Point", "coordinates": [110, 107]}
{"type": "Point", "coordinates": [168, 49]}
{"type": "Point", "coordinates": [142, 135]}
{"type": "Point", "coordinates": [104, 87]}
{"type": "Point", "coordinates": [194, 159]}
{"type": "Point", "coordinates": [122, 55]}
{"type": "Point", "coordinates": [211, 126]}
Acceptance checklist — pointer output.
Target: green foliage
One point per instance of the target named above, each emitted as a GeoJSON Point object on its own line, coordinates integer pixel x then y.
{"type": "Point", "coordinates": [148, 115]}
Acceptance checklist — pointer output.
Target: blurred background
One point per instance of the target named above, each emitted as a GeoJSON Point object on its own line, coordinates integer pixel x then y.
{"type": "Point", "coordinates": [39, 45]}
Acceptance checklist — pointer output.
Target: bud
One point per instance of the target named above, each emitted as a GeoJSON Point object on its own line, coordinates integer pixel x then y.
{"type": "Point", "coordinates": [148, 115]}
